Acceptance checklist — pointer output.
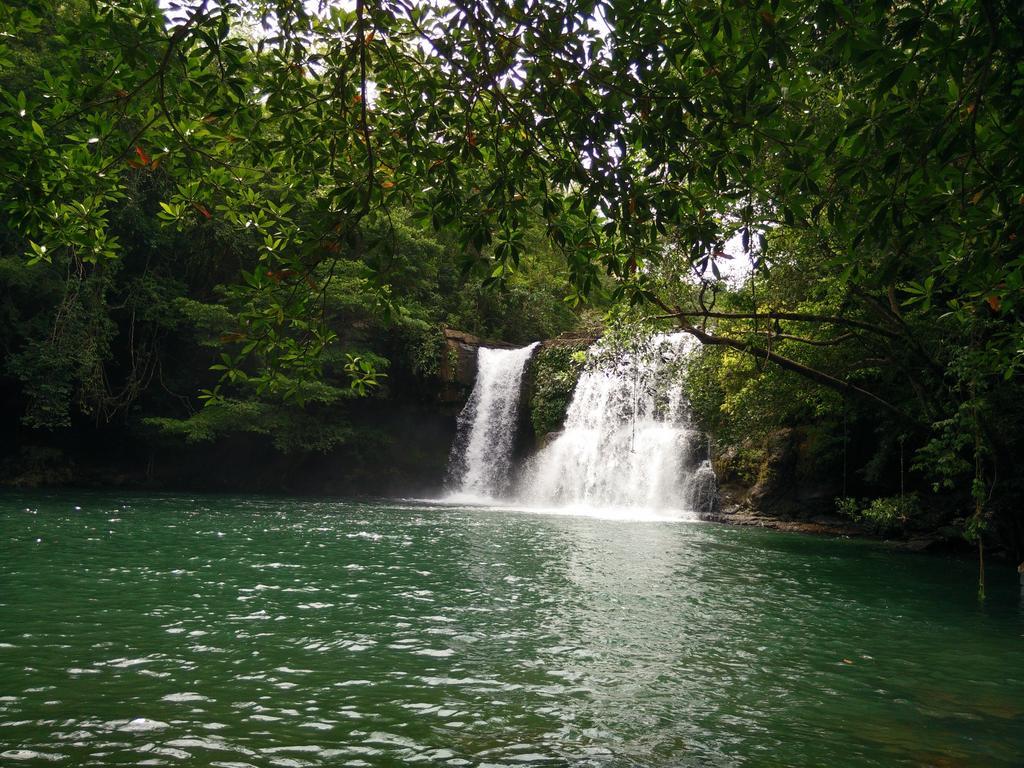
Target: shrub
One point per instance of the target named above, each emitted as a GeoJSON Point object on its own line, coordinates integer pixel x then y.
{"type": "Point", "coordinates": [884, 516]}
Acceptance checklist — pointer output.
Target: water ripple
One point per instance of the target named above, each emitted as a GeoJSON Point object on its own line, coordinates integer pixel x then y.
{"type": "Point", "coordinates": [254, 632]}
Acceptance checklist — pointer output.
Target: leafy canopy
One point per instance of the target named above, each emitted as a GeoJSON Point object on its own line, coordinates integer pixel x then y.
{"type": "Point", "coordinates": [878, 140]}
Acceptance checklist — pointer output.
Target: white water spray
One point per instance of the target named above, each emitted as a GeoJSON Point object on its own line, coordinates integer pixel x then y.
{"type": "Point", "coordinates": [480, 464]}
{"type": "Point", "coordinates": [628, 442]}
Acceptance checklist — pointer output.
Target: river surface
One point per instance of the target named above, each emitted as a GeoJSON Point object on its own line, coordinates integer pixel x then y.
{"type": "Point", "coordinates": [234, 631]}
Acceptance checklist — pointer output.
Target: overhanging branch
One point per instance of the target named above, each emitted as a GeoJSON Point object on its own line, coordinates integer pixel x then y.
{"type": "Point", "coordinates": [807, 372]}
{"type": "Point", "coordinates": [800, 317]}
{"type": "Point", "coordinates": [813, 342]}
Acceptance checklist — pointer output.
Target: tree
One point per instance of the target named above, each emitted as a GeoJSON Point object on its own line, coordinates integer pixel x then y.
{"type": "Point", "coordinates": [882, 136]}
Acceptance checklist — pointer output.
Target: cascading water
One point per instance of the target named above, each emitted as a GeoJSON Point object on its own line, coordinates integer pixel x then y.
{"type": "Point", "coordinates": [480, 464]}
{"type": "Point", "coordinates": [628, 441]}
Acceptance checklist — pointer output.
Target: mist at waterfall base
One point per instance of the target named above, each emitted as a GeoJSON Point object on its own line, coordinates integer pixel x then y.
{"type": "Point", "coordinates": [628, 448]}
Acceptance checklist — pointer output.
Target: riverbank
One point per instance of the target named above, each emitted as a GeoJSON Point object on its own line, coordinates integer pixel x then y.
{"type": "Point", "coordinates": [749, 506]}
{"type": "Point", "coordinates": [835, 526]}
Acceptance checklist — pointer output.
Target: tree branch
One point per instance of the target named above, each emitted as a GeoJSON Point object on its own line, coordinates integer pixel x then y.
{"type": "Point", "coordinates": [814, 342]}
{"type": "Point", "coordinates": [799, 317]}
{"type": "Point", "coordinates": [364, 122]}
{"type": "Point", "coordinates": [813, 374]}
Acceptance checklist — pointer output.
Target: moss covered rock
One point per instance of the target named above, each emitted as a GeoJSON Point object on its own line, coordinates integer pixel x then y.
{"type": "Point", "coordinates": [555, 369]}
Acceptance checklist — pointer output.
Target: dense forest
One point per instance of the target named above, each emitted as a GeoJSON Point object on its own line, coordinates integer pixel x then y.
{"type": "Point", "coordinates": [255, 219]}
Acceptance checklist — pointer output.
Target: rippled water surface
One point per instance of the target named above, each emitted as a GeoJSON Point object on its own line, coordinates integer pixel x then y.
{"type": "Point", "coordinates": [255, 632]}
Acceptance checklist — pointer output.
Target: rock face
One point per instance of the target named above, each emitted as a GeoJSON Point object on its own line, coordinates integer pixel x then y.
{"type": "Point", "coordinates": [575, 339]}
{"type": "Point", "coordinates": [778, 476]}
{"type": "Point", "coordinates": [787, 484]}
{"type": "Point", "coordinates": [550, 383]}
{"type": "Point", "coordinates": [457, 369]}
{"type": "Point", "coordinates": [786, 494]}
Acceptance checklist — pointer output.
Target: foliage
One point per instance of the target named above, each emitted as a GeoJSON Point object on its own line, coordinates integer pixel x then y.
{"type": "Point", "coordinates": [864, 157]}
{"type": "Point", "coordinates": [36, 465]}
{"type": "Point", "coordinates": [262, 138]}
{"type": "Point", "coordinates": [555, 371]}
{"type": "Point", "coordinates": [289, 430]}
{"type": "Point", "coordinates": [884, 516]}
{"type": "Point", "coordinates": [428, 351]}
{"type": "Point", "coordinates": [166, 216]}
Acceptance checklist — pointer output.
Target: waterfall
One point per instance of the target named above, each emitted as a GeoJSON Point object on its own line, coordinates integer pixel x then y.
{"type": "Point", "coordinates": [628, 441]}
{"type": "Point", "coordinates": [480, 464]}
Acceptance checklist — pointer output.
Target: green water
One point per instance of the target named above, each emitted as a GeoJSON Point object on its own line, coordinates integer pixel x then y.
{"type": "Point", "coordinates": [237, 632]}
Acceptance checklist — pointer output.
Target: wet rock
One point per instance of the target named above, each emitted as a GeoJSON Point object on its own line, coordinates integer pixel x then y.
{"type": "Point", "coordinates": [726, 464]}
{"type": "Point", "coordinates": [778, 472]}
{"type": "Point", "coordinates": [546, 439]}
{"type": "Point", "coordinates": [704, 492]}
{"type": "Point", "coordinates": [457, 368]}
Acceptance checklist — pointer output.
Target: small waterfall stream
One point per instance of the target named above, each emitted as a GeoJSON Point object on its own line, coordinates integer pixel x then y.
{"type": "Point", "coordinates": [480, 463]}
{"type": "Point", "coordinates": [628, 441]}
